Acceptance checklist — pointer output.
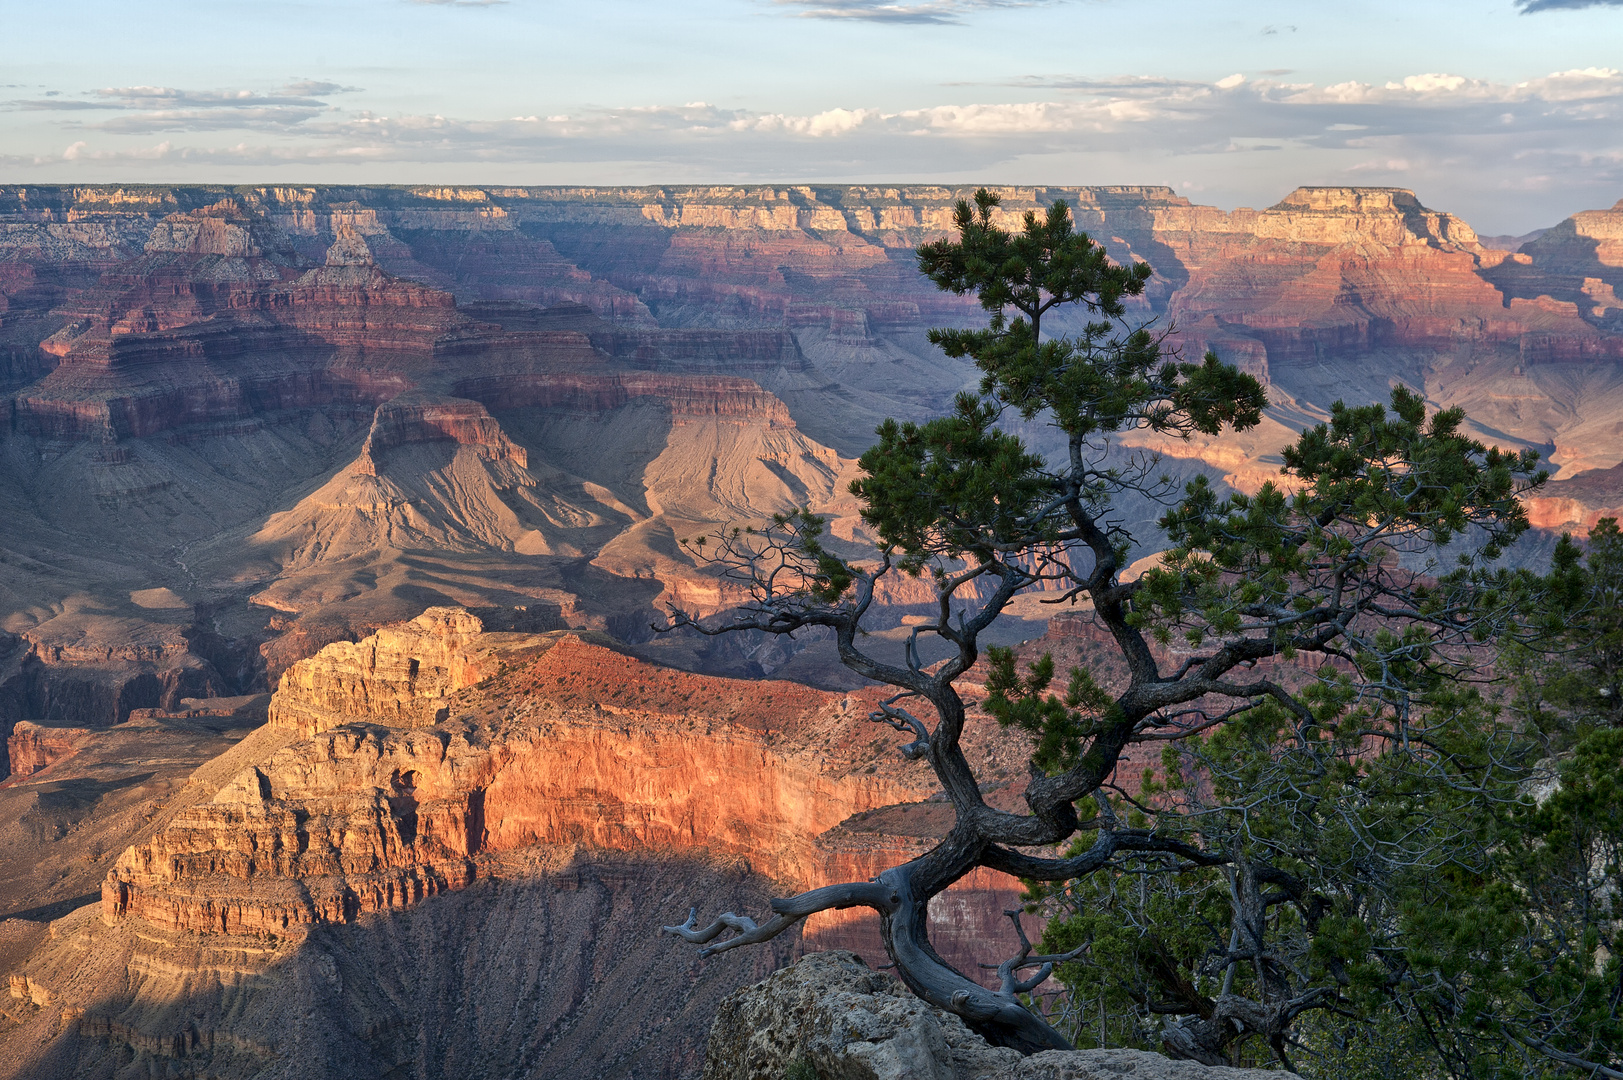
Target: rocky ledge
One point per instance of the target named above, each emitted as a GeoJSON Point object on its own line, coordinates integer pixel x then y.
{"type": "Point", "coordinates": [845, 1021]}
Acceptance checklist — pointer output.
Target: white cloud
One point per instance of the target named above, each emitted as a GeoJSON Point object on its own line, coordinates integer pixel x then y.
{"type": "Point", "coordinates": [148, 109]}
{"type": "Point", "coordinates": [1265, 109]}
{"type": "Point", "coordinates": [1559, 133]}
{"type": "Point", "coordinates": [1422, 84]}
{"type": "Point", "coordinates": [827, 123]}
{"type": "Point", "coordinates": [1390, 165]}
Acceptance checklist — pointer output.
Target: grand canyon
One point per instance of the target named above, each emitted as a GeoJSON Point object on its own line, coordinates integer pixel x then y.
{"type": "Point", "coordinates": [337, 521]}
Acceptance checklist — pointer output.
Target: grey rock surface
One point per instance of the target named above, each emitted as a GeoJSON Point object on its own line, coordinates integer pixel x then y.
{"type": "Point", "coordinates": [850, 1022]}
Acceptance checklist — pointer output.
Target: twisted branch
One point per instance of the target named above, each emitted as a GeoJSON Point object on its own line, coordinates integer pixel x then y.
{"type": "Point", "coordinates": [1007, 983]}
{"type": "Point", "coordinates": [904, 721]}
{"type": "Point", "coordinates": [786, 912]}
{"type": "Point", "coordinates": [748, 932]}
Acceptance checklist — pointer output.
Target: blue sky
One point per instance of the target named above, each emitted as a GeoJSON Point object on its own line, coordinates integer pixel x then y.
{"type": "Point", "coordinates": [1508, 112]}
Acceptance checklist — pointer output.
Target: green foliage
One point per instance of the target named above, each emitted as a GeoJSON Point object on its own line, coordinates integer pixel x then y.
{"type": "Point", "coordinates": [1146, 934]}
{"type": "Point", "coordinates": [1101, 380]}
{"type": "Point", "coordinates": [1384, 1045]}
{"type": "Point", "coordinates": [1059, 726]}
{"type": "Point", "coordinates": [1369, 487]}
{"type": "Point", "coordinates": [1527, 955]}
{"type": "Point", "coordinates": [954, 486]}
{"type": "Point", "coordinates": [1455, 925]}
{"type": "Point", "coordinates": [958, 486]}
{"type": "Point", "coordinates": [785, 558]}
{"type": "Point", "coordinates": [801, 1069]}
{"type": "Point", "coordinates": [1569, 672]}
{"type": "Point", "coordinates": [1392, 898]}
{"type": "Point", "coordinates": [1336, 847]}
{"type": "Point", "coordinates": [1422, 476]}
{"type": "Point", "coordinates": [830, 575]}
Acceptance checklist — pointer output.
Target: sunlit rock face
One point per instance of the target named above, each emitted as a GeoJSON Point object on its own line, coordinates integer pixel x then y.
{"type": "Point", "coordinates": [518, 812]}
{"type": "Point", "coordinates": [417, 751]}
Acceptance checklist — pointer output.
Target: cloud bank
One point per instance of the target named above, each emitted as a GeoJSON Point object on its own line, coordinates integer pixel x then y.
{"type": "Point", "coordinates": [1556, 138]}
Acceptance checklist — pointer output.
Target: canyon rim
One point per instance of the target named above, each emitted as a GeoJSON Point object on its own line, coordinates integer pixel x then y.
{"type": "Point", "coordinates": [337, 741]}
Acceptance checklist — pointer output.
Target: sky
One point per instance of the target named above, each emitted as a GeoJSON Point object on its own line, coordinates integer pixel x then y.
{"type": "Point", "coordinates": [1508, 113]}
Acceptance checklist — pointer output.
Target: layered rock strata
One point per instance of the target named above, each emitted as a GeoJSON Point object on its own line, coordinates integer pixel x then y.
{"type": "Point", "coordinates": [190, 363]}
{"type": "Point", "coordinates": [429, 748]}
{"type": "Point", "coordinates": [400, 676]}
{"type": "Point", "coordinates": [32, 748]}
{"type": "Point", "coordinates": [205, 360]}
{"type": "Point", "coordinates": [280, 919]}
{"type": "Point", "coordinates": [800, 254]}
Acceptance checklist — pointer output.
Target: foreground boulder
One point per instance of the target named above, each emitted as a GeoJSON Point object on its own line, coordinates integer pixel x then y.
{"type": "Point", "coordinates": [845, 1021]}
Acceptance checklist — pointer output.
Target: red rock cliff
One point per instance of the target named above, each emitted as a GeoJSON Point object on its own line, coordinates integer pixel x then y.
{"type": "Point", "coordinates": [547, 741]}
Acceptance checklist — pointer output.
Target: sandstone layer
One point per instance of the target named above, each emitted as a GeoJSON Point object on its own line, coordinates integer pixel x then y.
{"type": "Point", "coordinates": [429, 745]}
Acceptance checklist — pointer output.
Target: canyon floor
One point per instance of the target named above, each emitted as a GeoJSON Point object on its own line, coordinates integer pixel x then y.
{"type": "Point", "coordinates": [253, 434]}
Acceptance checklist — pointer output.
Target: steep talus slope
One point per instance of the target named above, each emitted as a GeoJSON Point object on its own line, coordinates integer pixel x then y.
{"type": "Point", "coordinates": [438, 808]}
{"type": "Point", "coordinates": [546, 971]}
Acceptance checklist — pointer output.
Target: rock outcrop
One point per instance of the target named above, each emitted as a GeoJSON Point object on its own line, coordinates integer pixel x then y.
{"type": "Point", "coordinates": [1576, 504]}
{"type": "Point", "coordinates": [279, 917]}
{"type": "Point", "coordinates": [402, 421]}
{"type": "Point", "coordinates": [427, 747]}
{"type": "Point", "coordinates": [400, 676]}
{"type": "Point", "coordinates": [847, 1022]}
{"type": "Point", "coordinates": [32, 748]}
